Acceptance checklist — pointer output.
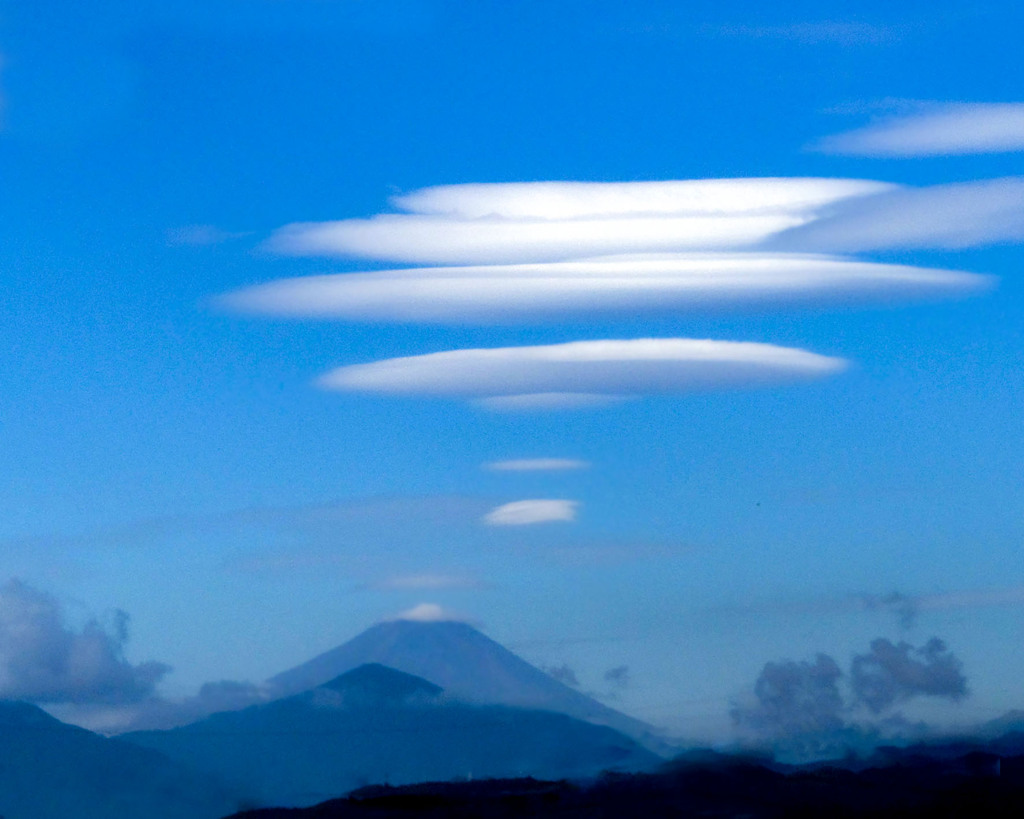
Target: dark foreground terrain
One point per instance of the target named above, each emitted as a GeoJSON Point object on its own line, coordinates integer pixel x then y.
{"type": "Point", "coordinates": [970, 786]}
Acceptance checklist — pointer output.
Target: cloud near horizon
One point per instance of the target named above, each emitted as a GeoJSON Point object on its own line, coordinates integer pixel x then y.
{"type": "Point", "coordinates": [44, 660]}
{"type": "Point", "coordinates": [530, 512]}
{"type": "Point", "coordinates": [608, 369]}
{"type": "Point", "coordinates": [804, 709]}
{"type": "Point", "coordinates": [936, 129]}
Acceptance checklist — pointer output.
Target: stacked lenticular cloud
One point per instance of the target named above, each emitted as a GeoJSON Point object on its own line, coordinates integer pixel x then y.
{"type": "Point", "coordinates": [543, 251]}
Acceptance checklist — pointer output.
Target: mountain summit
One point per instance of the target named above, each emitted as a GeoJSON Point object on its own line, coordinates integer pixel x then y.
{"type": "Point", "coordinates": [467, 664]}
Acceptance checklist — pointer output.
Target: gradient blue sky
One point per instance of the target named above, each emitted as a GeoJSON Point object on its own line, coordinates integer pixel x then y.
{"type": "Point", "coordinates": [168, 456]}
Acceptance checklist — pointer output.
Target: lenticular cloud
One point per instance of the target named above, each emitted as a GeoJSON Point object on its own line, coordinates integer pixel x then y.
{"type": "Point", "coordinates": [583, 200]}
{"type": "Point", "coordinates": [937, 130]}
{"type": "Point", "coordinates": [514, 375]}
{"type": "Point", "coordinates": [552, 221]}
{"type": "Point", "coordinates": [521, 292]}
{"type": "Point", "coordinates": [540, 251]}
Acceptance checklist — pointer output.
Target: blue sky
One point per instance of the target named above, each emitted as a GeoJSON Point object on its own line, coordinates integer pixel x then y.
{"type": "Point", "coordinates": [169, 449]}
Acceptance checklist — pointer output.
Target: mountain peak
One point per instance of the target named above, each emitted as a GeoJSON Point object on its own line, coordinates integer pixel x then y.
{"type": "Point", "coordinates": [465, 663]}
{"type": "Point", "coordinates": [376, 684]}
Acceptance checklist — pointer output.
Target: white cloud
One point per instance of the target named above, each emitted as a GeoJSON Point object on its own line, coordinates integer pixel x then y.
{"type": "Point", "coordinates": [547, 221]}
{"type": "Point", "coordinates": [942, 216]}
{"type": "Point", "coordinates": [585, 200]}
{"type": "Point", "coordinates": [427, 613]}
{"type": "Point", "coordinates": [653, 283]}
{"type": "Point", "coordinates": [936, 130]}
{"type": "Point", "coordinates": [537, 465]}
{"type": "Point", "coordinates": [606, 369]}
{"type": "Point", "coordinates": [529, 512]}
{"type": "Point", "coordinates": [438, 240]}
{"type": "Point", "coordinates": [43, 659]}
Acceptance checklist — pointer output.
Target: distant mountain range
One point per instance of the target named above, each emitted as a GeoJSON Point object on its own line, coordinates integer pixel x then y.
{"type": "Point", "coordinates": [467, 664]}
{"type": "Point", "coordinates": [50, 770]}
{"type": "Point", "coordinates": [375, 724]}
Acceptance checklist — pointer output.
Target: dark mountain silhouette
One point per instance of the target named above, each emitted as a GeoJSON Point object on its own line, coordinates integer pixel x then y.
{"type": "Point", "coordinates": [975, 786]}
{"type": "Point", "coordinates": [467, 664]}
{"type": "Point", "coordinates": [374, 725]}
{"type": "Point", "coordinates": [50, 770]}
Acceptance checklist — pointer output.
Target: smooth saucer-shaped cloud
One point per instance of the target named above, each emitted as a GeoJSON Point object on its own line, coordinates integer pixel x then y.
{"type": "Point", "coordinates": [496, 293]}
{"type": "Point", "coordinates": [550, 221]}
{"type": "Point", "coordinates": [584, 368]}
{"type": "Point", "coordinates": [937, 130]}
{"type": "Point", "coordinates": [585, 200]}
{"type": "Point", "coordinates": [530, 512]}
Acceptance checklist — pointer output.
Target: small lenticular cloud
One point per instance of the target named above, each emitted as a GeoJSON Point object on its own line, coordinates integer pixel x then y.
{"type": "Point", "coordinates": [527, 512]}
{"type": "Point", "coordinates": [426, 613]}
{"type": "Point", "coordinates": [537, 465]}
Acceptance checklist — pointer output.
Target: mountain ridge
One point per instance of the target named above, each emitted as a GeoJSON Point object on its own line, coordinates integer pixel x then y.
{"type": "Point", "coordinates": [378, 725]}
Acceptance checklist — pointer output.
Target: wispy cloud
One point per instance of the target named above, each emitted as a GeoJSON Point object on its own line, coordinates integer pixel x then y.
{"type": "Point", "coordinates": [426, 582]}
{"type": "Point", "coordinates": [529, 512]}
{"type": "Point", "coordinates": [537, 465]}
{"type": "Point", "coordinates": [936, 130]}
{"type": "Point", "coordinates": [202, 235]}
{"type": "Point", "coordinates": [954, 216]}
{"type": "Point", "coordinates": [587, 368]}
{"type": "Point", "coordinates": [659, 284]}
{"type": "Point", "coordinates": [905, 607]}
{"type": "Point", "coordinates": [549, 401]}
{"type": "Point", "coordinates": [837, 32]}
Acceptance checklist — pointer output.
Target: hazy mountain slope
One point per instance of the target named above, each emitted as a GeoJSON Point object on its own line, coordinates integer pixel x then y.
{"type": "Point", "coordinates": [50, 770]}
{"type": "Point", "coordinates": [466, 663]}
{"type": "Point", "coordinates": [376, 724]}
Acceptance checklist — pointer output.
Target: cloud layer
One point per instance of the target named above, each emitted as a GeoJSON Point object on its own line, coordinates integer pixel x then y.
{"type": "Point", "coordinates": [42, 659]}
{"type": "Point", "coordinates": [587, 368]}
{"type": "Point", "coordinates": [510, 293]}
{"type": "Point", "coordinates": [529, 512]}
{"type": "Point", "coordinates": [969, 214]}
{"type": "Point", "coordinates": [552, 221]}
{"type": "Point", "coordinates": [936, 130]}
